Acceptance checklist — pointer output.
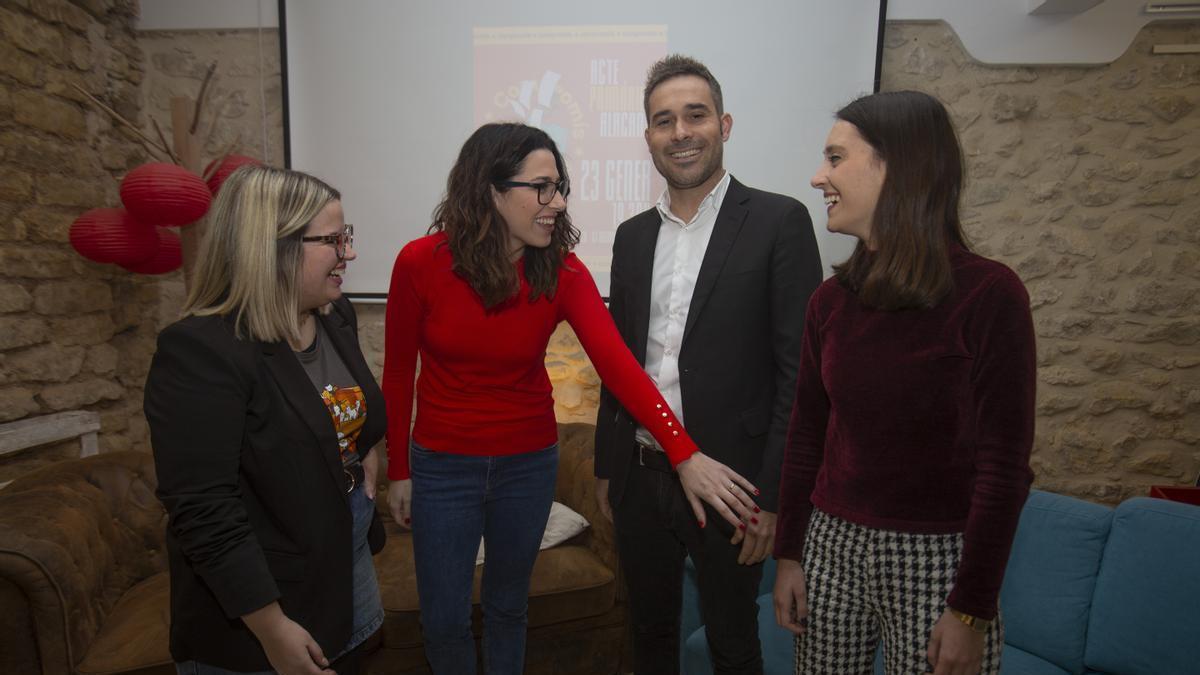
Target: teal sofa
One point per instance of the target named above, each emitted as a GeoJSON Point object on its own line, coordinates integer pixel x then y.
{"type": "Point", "coordinates": [1089, 590]}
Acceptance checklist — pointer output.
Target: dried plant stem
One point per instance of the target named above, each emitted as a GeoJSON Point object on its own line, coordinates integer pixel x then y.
{"type": "Point", "coordinates": [161, 137]}
{"type": "Point", "coordinates": [164, 149]}
{"type": "Point", "coordinates": [212, 68]}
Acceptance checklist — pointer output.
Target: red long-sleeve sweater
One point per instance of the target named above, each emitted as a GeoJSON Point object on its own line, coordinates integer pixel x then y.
{"type": "Point", "coordinates": [483, 387]}
{"type": "Point", "coordinates": [917, 421]}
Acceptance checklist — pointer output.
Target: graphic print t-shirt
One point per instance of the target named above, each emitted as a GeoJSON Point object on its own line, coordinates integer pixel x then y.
{"type": "Point", "coordinates": [339, 391]}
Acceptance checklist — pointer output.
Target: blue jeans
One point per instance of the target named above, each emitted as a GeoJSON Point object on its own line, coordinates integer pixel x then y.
{"type": "Point", "coordinates": [457, 499]}
{"type": "Point", "coordinates": [368, 606]}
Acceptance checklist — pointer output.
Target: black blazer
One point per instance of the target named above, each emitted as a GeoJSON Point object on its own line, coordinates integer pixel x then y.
{"type": "Point", "coordinates": [741, 342]}
{"type": "Point", "coordinates": [249, 472]}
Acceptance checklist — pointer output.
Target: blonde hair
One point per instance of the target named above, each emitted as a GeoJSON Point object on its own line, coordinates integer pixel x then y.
{"type": "Point", "coordinates": [250, 260]}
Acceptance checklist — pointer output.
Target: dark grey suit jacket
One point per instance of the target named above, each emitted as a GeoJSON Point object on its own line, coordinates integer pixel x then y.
{"type": "Point", "coordinates": [741, 342]}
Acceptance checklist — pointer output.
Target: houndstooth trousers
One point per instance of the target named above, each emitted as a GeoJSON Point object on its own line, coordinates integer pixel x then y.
{"type": "Point", "coordinates": [864, 584]}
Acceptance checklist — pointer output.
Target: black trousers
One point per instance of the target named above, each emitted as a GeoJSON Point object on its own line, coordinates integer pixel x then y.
{"type": "Point", "coordinates": [656, 529]}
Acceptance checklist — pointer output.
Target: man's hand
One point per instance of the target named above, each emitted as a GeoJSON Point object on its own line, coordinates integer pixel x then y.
{"type": "Point", "coordinates": [602, 498]}
{"type": "Point", "coordinates": [757, 539]}
{"type": "Point", "coordinates": [954, 648]}
{"type": "Point", "coordinates": [290, 649]}
{"type": "Point", "coordinates": [790, 596]}
{"type": "Point", "coordinates": [400, 502]}
{"type": "Point", "coordinates": [704, 478]}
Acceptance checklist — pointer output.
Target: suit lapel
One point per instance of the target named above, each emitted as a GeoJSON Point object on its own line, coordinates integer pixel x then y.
{"type": "Point", "coordinates": [725, 231]}
{"type": "Point", "coordinates": [643, 243]}
{"type": "Point", "coordinates": [300, 394]}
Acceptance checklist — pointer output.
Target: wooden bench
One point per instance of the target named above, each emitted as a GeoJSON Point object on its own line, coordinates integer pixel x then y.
{"type": "Point", "coordinates": [35, 431]}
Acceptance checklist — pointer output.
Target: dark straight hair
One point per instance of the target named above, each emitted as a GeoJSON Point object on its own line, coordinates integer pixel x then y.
{"type": "Point", "coordinates": [916, 220]}
{"type": "Point", "coordinates": [678, 65]}
{"type": "Point", "coordinates": [475, 230]}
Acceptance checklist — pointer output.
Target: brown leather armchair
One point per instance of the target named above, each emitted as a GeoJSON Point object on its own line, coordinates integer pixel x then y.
{"type": "Point", "coordinates": [83, 586]}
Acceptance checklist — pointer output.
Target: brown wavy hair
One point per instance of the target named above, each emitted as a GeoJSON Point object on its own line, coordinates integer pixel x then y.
{"type": "Point", "coordinates": [916, 220]}
{"type": "Point", "coordinates": [475, 230]}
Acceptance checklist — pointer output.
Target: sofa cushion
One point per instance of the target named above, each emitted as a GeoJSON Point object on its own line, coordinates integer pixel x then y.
{"type": "Point", "coordinates": [569, 582]}
{"type": "Point", "coordinates": [1047, 593]}
{"type": "Point", "coordinates": [1143, 618]}
{"type": "Point", "coordinates": [135, 634]}
{"type": "Point", "coordinates": [1016, 661]}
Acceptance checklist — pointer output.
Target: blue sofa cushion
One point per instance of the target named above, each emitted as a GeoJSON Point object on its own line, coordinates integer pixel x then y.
{"type": "Point", "coordinates": [695, 659]}
{"type": "Point", "coordinates": [1047, 593]}
{"type": "Point", "coordinates": [1015, 661]}
{"type": "Point", "coordinates": [1144, 615]}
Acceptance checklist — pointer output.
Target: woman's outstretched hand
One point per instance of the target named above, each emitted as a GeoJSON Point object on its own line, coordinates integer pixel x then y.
{"type": "Point", "coordinates": [705, 479]}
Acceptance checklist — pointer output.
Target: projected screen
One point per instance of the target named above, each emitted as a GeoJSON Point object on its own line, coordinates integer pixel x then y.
{"type": "Point", "coordinates": [381, 95]}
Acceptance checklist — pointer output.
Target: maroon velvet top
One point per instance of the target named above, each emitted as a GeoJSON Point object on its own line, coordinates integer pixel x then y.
{"type": "Point", "coordinates": [917, 421]}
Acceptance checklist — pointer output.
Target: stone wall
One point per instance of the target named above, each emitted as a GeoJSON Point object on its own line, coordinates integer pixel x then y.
{"type": "Point", "coordinates": [1083, 179]}
{"type": "Point", "coordinates": [73, 334]}
{"type": "Point", "coordinates": [243, 106]}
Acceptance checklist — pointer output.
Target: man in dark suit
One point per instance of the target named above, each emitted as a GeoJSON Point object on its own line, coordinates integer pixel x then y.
{"type": "Point", "coordinates": [708, 290]}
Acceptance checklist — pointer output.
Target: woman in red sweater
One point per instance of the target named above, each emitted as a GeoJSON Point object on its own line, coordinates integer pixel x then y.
{"type": "Point", "coordinates": [478, 299]}
{"type": "Point", "coordinates": [907, 460]}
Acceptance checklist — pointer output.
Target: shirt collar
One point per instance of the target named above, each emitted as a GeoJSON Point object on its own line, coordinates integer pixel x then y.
{"type": "Point", "coordinates": [712, 200]}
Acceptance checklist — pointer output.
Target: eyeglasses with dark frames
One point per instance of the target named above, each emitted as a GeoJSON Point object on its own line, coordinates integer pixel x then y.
{"type": "Point", "coordinates": [341, 241]}
{"type": "Point", "coordinates": [545, 189]}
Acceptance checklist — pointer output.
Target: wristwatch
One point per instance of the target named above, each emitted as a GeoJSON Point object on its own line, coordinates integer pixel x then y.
{"type": "Point", "coordinates": [973, 622]}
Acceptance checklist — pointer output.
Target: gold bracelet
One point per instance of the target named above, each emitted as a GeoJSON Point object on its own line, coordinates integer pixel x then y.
{"type": "Point", "coordinates": [973, 622]}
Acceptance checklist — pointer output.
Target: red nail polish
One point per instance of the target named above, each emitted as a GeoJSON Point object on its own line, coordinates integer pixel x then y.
{"type": "Point", "coordinates": [741, 526]}
{"type": "Point", "coordinates": [754, 520]}
{"type": "Point", "coordinates": [756, 509]}
{"type": "Point", "coordinates": [701, 523]}
{"type": "Point", "coordinates": [757, 492]}
{"type": "Point", "coordinates": [407, 521]}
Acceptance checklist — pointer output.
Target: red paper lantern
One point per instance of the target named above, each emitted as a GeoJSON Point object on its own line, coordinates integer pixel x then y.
{"type": "Point", "coordinates": [113, 236]}
{"type": "Point", "coordinates": [165, 194]}
{"type": "Point", "coordinates": [168, 258]}
{"type": "Point", "coordinates": [228, 165]}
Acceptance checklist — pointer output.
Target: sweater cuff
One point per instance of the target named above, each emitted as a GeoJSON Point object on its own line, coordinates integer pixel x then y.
{"type": "Point", "coordinates": [972, 606]}
{"type": "Point", "coordinates": [790, 532]}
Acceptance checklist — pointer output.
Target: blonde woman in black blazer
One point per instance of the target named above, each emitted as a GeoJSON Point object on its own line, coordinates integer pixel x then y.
{"type": "Point", "coordinates": [265, 468]}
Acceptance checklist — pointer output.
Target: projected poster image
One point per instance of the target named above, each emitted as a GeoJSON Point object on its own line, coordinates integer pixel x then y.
{"type": "Point", "coordinates": [582, 85]}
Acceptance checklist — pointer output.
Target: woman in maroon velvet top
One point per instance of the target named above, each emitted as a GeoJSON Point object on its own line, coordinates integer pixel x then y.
{"type": "Point", "coordinates": [907, 460]}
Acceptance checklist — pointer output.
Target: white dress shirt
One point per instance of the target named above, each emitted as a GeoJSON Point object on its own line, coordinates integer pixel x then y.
{"type": "Point", "coordinates": [677, 258]}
